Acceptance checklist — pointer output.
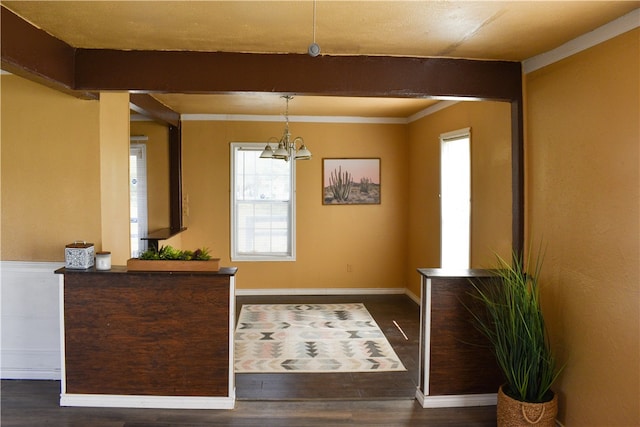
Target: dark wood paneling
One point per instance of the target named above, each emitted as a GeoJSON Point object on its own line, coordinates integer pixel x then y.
{"type": "Point", "coordinates": [461, 360]}
{"type": "Point", "coordinates": [517, 176]}
{"type": "Point", "coordinates": [175, 178]}
{"type": "Point", "coordinates": [147, 334]}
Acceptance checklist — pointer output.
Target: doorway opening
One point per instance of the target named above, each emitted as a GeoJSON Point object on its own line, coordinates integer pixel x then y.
{"type": "Point", "coordinates": [455, 199]}
{"type": "Point", "coordinates": [138, 198]}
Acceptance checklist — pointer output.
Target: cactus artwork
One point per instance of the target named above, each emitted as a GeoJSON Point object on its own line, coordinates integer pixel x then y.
{"type": "Point", "coordinates": [340, 184]}
{"type": "Point", "coordinates": [351, 181]}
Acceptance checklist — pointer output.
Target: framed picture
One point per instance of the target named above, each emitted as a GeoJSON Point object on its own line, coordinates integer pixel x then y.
{"type": "Point", "coordinates": [351, 181]}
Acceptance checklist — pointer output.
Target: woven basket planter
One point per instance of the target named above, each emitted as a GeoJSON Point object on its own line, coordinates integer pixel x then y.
{"type": "Point", "coordinates": [514, 413]}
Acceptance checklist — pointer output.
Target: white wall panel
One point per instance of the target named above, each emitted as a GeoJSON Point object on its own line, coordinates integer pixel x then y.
{"type": "Point", "coordinates": [30, 320]}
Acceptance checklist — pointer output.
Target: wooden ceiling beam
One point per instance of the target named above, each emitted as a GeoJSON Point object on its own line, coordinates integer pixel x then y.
{"type": "Point", "coordinates": [147, 105]}
{"type": "Point", "coordinates": [226, 72]}
{"type": "Point", "coordinates": [31, 53]}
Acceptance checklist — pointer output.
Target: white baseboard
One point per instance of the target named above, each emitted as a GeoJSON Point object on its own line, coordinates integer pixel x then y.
{"type": "Point", "coordinates": [135, 401]}
{"type": "Point", "coordinates": [456, 401]}
{"type": "Point", "coordinates": [22, 364]}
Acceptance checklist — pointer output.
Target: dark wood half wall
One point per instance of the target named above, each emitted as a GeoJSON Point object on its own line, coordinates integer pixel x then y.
{"type": "Point", "coordinates": [34, 54]}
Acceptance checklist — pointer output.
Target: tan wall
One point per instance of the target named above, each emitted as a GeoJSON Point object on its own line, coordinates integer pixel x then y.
{"type": "Point", "coordinates": [114, 175]}
{"type": "Point", "coordinates": [50, 171]}
{"type": "Point", "coordinates": [369, 237]}
{"type": "Point", "coordinates": [157, 171]}
{"type": "Point", "coordinates": [582, 155]}
{"type": "Point", "coordinates": [490, 124]}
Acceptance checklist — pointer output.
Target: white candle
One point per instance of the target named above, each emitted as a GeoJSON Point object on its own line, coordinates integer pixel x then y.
{"type": "Point", "coordinates": [103, 260]}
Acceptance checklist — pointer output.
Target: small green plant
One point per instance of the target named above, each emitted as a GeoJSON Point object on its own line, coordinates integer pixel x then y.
{"type": "Point", "coordinates": [512, 321]}
{"type": "Point", "coordinates": [340, 184]}
{"type": "Point", "coordinates": [171, 253]}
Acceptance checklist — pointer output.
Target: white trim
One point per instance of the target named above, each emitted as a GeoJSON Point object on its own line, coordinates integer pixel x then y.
{"type": "Point", "coordinates": [63, 354]}
{"type": "Point", "coordinates": [456, 400]}
{"type": "Point", "coordinates": [139, 118]}
{"type": "Point", "coordinates": [456, 134]}
{"type": "Point", "coordinates": [30, 364]}
{"type": "Point", "coordinates": [30, 266]}
{"type": "Point", "coordinates": [425, 347]}
{"type": "Point", "coordinates": [292, 119]}
{"type": "Point", "coordinates": [413, 296]}
{"type": "Point", "coordinates": [232, 328]}
{"type": "Point", "coordinates": [139, 401]}
{"type": "Point", "coordinates": [30, 348]}
{"type": "Point", "coordinates": [431, 110]}
{"type": "Point", "coordinates": [257, 147]}
{"type": "Point", "coordinates": [601, 34]}
{"type": "Point", "coordinates": [322, 291]}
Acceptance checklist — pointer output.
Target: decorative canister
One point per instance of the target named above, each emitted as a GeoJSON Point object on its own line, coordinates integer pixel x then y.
{"type": "Point", "coordinates": [103, 260]}
{"type": "Point", "coordinates": [79, 255]}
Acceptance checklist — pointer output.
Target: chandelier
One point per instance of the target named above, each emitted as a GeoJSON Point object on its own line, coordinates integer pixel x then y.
{"type": "Point", "coordinates": [287, 148]}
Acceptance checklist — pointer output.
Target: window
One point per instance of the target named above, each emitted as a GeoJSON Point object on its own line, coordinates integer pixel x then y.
{"type": "Point", "coordinates": [262, 205]}
{"type": "Point", "coordinates": [138, 197]}
{"type": "Point", "coordinates": [455, 198]}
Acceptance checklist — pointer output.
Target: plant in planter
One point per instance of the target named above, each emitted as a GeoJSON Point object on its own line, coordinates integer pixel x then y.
{"type": "Point", "coordinates": [511, 318]}
{"type": "Point", "coordinates": [171, 253]}
{"type": "Point", "coordinates": [168, 258]}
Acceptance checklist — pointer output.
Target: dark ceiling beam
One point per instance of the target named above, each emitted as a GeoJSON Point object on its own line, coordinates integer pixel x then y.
{"type": "Point", "coordinates": [224, 72]}
{"type": "Point", "coordinates": [35, 55]}
{"type": "Point", "coordinates": [147, 105]}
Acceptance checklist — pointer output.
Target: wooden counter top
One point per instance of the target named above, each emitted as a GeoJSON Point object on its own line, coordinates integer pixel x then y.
{"type": "Point", "coordinates": [224, 271]}
{"type": "Point", "coordinates": [450, 273]}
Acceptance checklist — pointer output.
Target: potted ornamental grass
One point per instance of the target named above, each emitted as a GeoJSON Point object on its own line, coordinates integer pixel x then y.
{"type": "Point", "coordinates": [510, 316]}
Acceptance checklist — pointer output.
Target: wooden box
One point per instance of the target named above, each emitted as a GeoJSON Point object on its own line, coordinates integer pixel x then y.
{"type": "Point", "coordinates": [135, 264]}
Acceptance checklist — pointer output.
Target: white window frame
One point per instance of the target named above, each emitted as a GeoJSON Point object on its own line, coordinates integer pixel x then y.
{"type": "Point", "coordinates": [235, 256]}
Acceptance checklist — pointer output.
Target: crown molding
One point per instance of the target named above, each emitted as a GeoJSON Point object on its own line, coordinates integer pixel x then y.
{"type": "Point", "coordinates": [601, 34]}
{"type": "Point", "coordinates": [292, 119]}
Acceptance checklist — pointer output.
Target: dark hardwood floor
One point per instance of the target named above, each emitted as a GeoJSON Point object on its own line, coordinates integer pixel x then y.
{"type": "Point", "coordinates": [385, 309]}
{"type": "Point", "coordinates": [291, 399]}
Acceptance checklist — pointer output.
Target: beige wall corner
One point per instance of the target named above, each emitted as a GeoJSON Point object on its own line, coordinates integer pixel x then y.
{"type": "Point", "coordinates": [583, 199]}
{"type": "Point", "coordinates": [114, 175]}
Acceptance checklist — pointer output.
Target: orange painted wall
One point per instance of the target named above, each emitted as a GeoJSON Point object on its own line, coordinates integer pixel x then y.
{"type": "Point", "coordinates": [50, 171]}
{"type": "Point", "coordinates": [490, 124]}
{"type": "Point", "coordinates": [583, 196]}
{"type": "Point", "coordinates": [114, 175]}
{"type": "Point", "coordinates": [371, 238]}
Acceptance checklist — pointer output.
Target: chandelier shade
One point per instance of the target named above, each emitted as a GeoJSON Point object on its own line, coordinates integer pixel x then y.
{"type": "Point", "coordinates": [286, 148]}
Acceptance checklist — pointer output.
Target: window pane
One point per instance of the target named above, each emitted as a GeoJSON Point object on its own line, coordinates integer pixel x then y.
{"type": "Point", "coordinates": [262, 205]}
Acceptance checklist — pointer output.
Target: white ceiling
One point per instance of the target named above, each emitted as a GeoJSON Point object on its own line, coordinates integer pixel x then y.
{"type": "Point", "coordinates": [491, 30]}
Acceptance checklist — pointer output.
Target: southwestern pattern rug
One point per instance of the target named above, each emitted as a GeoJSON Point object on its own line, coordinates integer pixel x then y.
{"type": "Point", "coordinates": [276, 338]}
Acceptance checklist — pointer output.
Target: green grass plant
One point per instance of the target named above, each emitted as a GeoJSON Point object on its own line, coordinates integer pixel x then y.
{"type": "Point", "coordinates": [512, 320]}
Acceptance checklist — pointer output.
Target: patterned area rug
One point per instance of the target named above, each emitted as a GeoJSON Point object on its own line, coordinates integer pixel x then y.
{"type": "Point", "coordinates": [276, 338]}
